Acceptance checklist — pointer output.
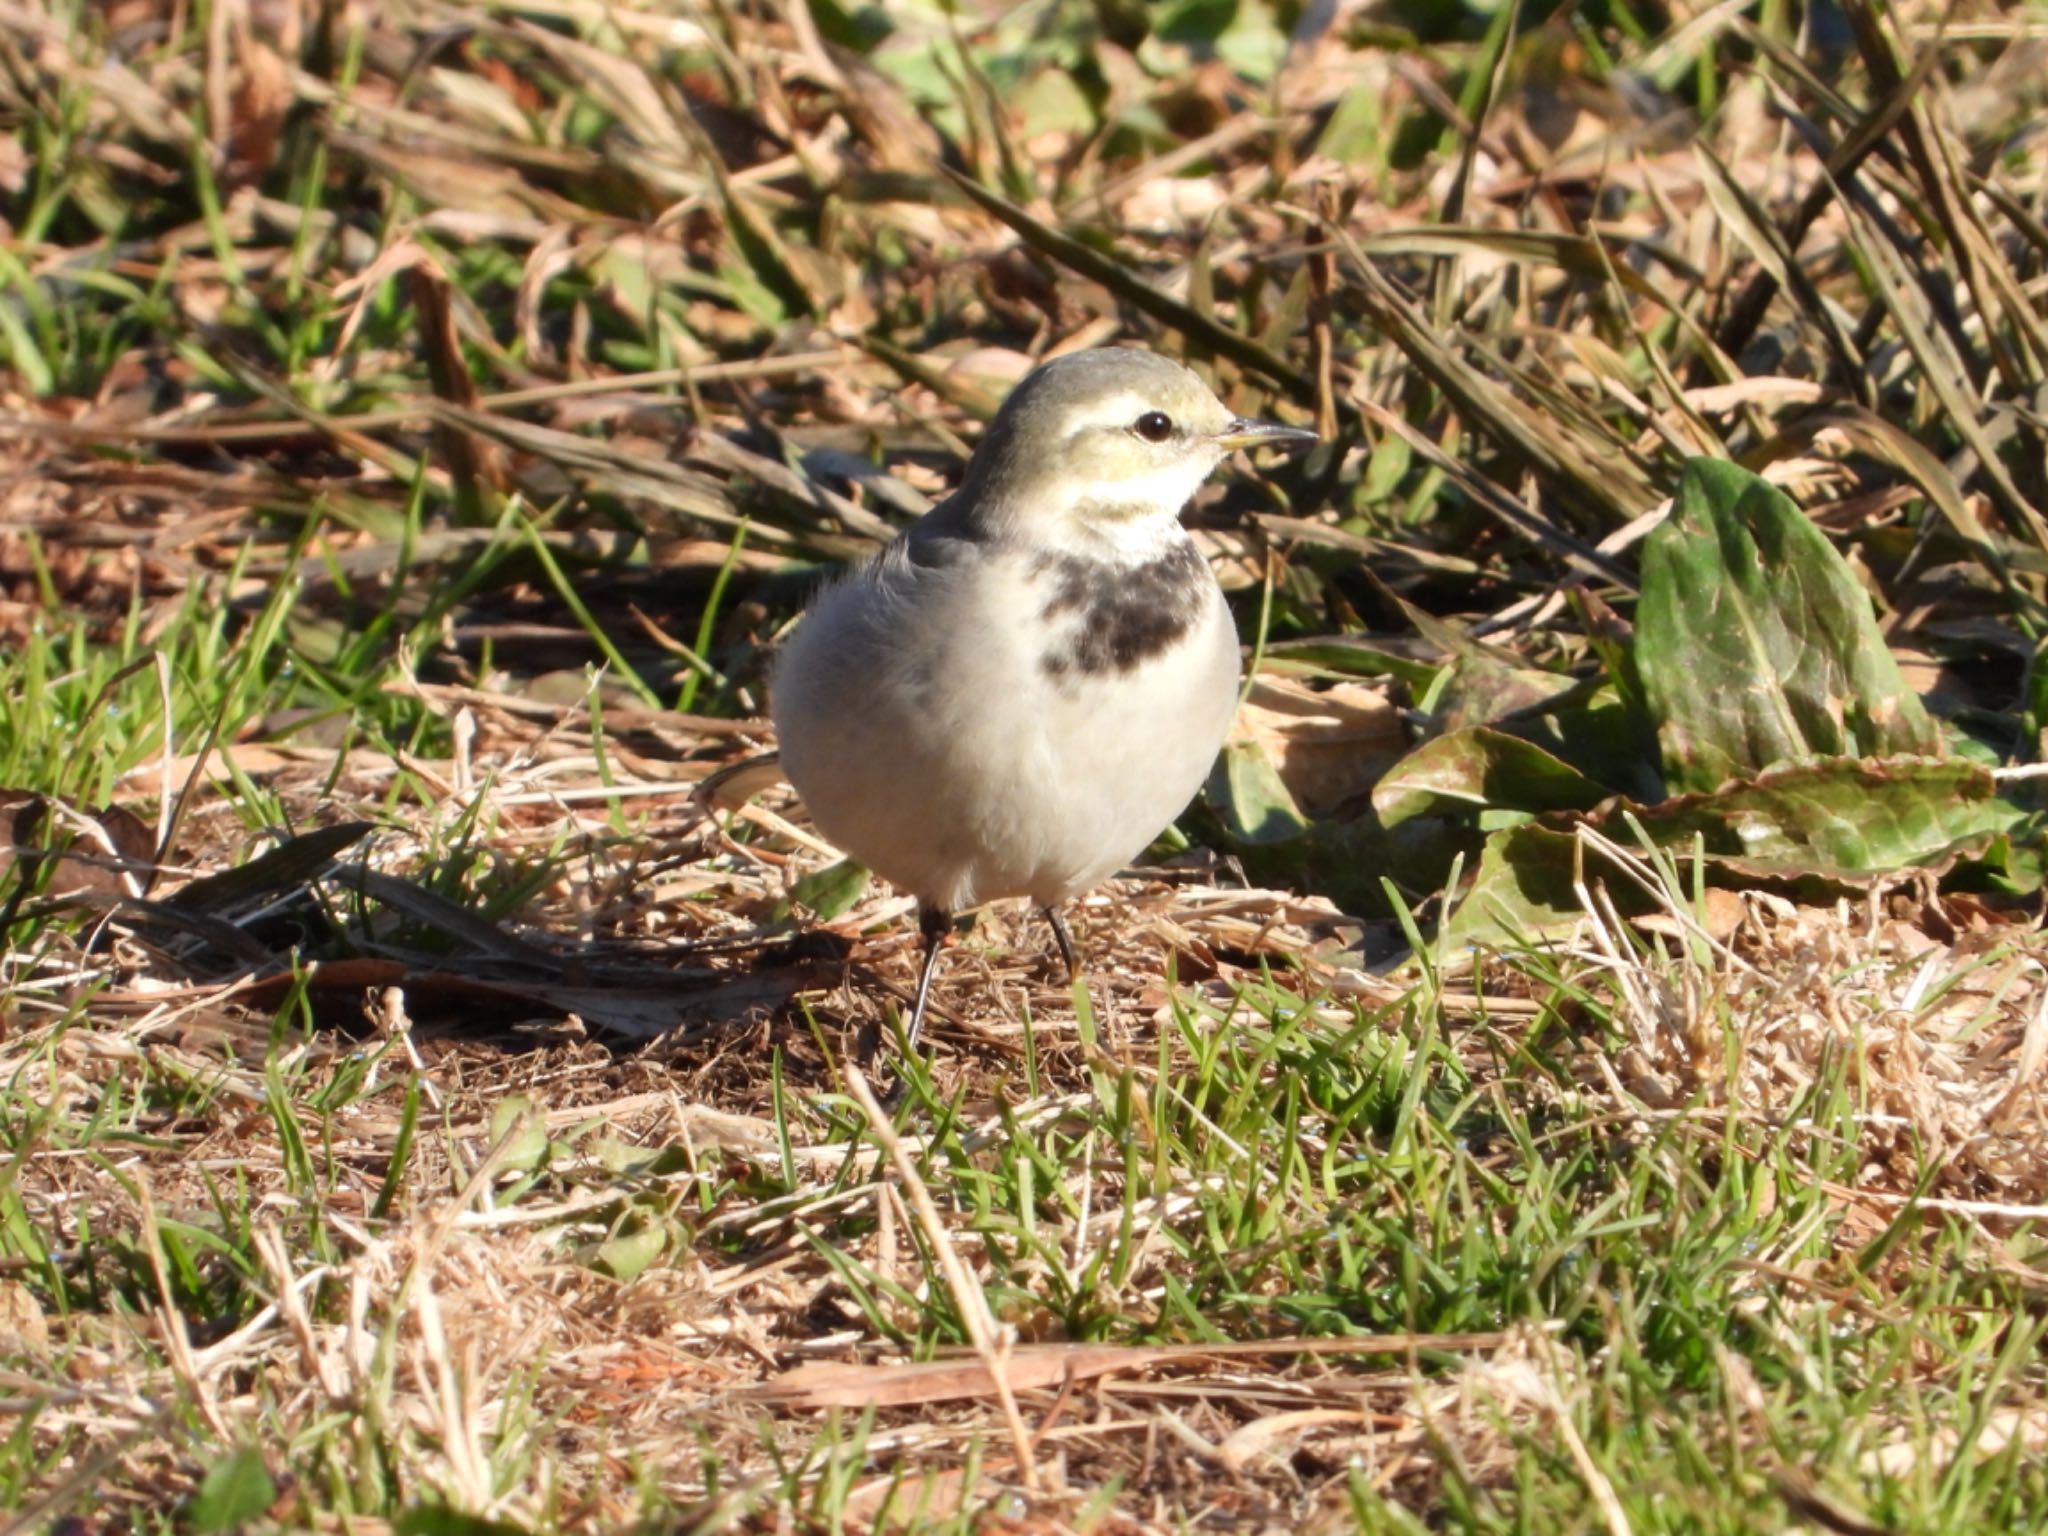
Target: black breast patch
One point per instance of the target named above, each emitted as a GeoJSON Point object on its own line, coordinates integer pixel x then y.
{"type": "Point", "coordinates": [1118, 617]}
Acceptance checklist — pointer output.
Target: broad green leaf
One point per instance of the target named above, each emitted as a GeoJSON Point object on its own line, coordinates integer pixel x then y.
{"type": "Point", "coordinates": [1242, 33]}
{"type": "Point", "coordinates": [1478, 768]}
{"type": "Point", "coordinates": [832, 890]}
{"type": "Point", "coordinates": [440, 1520]}
{"type": "Point", "coordinates": [236, 1490]}
{"type": "Point", "coordinates": [1834, 824]}
{"type": "Point", "coordinates": [1246, 791]}
{"type": "Point", "coordinates": [1350, 860]}
{"type": "Point", "coordinates": [518, 1116]}
{"type": "Point", "coordinates": [1482, 689]}
{"type": "Point", "coordinates": [1843, 818]}
{"type": "Point", "coordinates": [1254, 44]}
{"type": "Point", "coordinates": [1613, 641]}
{"type": "Point", "coordinates": [1594, 732]}
{"type": "Point", "coordinates": [1051, 102]}
{"type": "Point", "coordinates": [627, 1252]}
{"type": "Point", "coordinates": [1755, 644]}
{"type": "Point", "coordinates": [2015, 863]}
{"type": "Point", "coordinates": [859, 30]}
{"type": "Point", "coordinates": [1482, 682]}
{"type": "Point", "coordinates": [629, 1157]}
{"type": "Point", "coordinates": [1356, 133]}
{"type": "Point", "coordinates": [1522, 888]}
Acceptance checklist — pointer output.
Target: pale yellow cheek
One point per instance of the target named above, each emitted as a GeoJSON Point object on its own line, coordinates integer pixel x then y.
{"type": "Point", "coordinates": [1111, 458]}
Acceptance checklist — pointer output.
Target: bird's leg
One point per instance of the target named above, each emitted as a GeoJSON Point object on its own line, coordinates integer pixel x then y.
{"type": "Point", "coordinates": [933, 924]}
{"type": "Point", "coordinates": [1065, 941]}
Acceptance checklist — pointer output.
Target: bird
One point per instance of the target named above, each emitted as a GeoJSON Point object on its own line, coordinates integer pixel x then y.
{"type": "Point", "coordinates": [1030, 682]}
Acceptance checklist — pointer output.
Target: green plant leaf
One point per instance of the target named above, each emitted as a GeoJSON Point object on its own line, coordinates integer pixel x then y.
{"type": "Point", "coordinates": [440, 1520]}
{"type": "Point", "coordinates": [1482, 682]}
{"type": "Point", "coordinates": [1349, 656]}
{"type": "Point", "coordinates": [1482, 689]}
{"type": "Point", "coordinates": [2015, 863]}
{"type": "Point", "coordinates": [629, 1157]}
{"type": "Point", "coordinates": [1835, 825]}
{"type": "Point", "coordinates": [1523, 887]}
{"type": "Point", "coordinates": [1350, 860]}
{"type": "Point", "coordinates": [1475, 769]}
{"type": "Point", "coordinates": [636, 1244]}
{"type": "Point", "coordinates": [520, 1116]}
{"type": "Point", "coordinates": [1247, 793]}
{"type": "Point", "coordinates": [1755, 644]}
{"type": "Point", "coordinates": [1388, 464]}
{"type": "Point", "coordinates": [1593, 731]}
{"type": "Point", "coordinates": [236, 1490]}
{"type": "Point", "coordinates": [1613, 640]}
{"type": "Point", "coordinates": [1843, 818]}
{"type": "Point", "coordinates": [832, 890]}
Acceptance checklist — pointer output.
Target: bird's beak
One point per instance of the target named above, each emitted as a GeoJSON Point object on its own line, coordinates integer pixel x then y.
{"type": "Point", "coordinates": [1246, 433]}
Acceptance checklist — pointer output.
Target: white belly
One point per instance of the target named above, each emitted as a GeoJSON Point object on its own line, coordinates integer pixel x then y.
{"type": "Point", "coordinates": [929, 741]}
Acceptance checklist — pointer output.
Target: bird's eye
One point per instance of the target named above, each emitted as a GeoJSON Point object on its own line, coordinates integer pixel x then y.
{"type": "Point", "coordinates": [1153, 426]}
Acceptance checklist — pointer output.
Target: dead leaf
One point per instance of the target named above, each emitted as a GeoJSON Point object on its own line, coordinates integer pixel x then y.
{"type": "Point", "coordinates": [1277, 1434]}
{"type": "Point", "coordinates": [1721, 913]}
{"type": "Point", "coordinates": [261, 97]}
{"type": "Point", "coordinates": [108, 852]}
{"type": "Point", "coordinates": [22, 1320]}
{"type": "Point", "coordinates": [1331, 745]}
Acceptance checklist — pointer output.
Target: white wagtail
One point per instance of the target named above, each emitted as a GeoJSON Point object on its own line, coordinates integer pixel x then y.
{"type": "Point", "coordinates": [1021, 692]}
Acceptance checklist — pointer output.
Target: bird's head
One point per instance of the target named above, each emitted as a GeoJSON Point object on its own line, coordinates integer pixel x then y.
{"type": "Point", "coordinates": [1106, 447]}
